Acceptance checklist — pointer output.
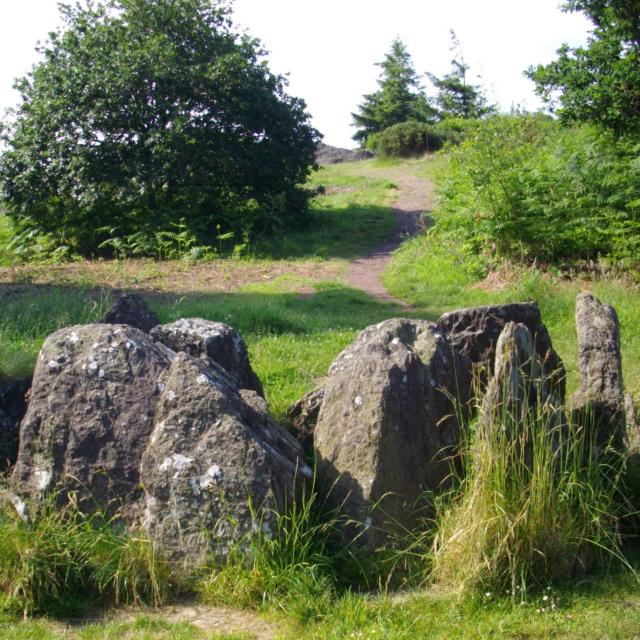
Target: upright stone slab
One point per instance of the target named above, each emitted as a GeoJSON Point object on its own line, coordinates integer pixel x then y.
{"type": "Point", "coordinates": [475, 332]}
{"type": "Point", "coordinates": [518, 398]}
{"type": "Point", "coordinates": [216, 340]}
{"type": "Point", "coordinates": [387, 426]}
{"type": "Point", "coordinates": [213, 457]}
{"type": "Point", "coordinates": [90, 416]}
{"type": "Point", "coordinates": [599, 402]}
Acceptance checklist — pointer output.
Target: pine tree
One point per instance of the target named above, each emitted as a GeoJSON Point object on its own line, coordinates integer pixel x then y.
{"type": "Point", "coordinates": [457, 98]}
{"type": "Point", "coordinates": [399, 98]}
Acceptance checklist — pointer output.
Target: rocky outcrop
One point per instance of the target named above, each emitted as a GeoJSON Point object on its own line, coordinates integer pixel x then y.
{"type": "Point", "coordinates": [326, 154]}
{"type": "Point", "coordinates": [216, 467]}
{"type": "Point", "coordinates": [91, 412]}
{"type": "Point", "coordinates": [302, 417]}
{"type": "Point", "coordinates": [388, 426]}
{"type": "Point", "coordinates": [13, 406]}
{"type": "Point", "coordinates": [215, 340]}
{"type": "Point", "coordinates": [132, 309]}
{"type": "Point", "coordinates": [599, 402]}
{"type": "Point", "coordinates": [475, 332]}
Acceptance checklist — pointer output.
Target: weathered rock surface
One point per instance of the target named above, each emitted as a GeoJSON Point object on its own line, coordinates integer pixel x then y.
{"type": "Point", "coordinates": [599, 401]}
{"type": "Point", "coordinates": [210, 452]}
{"type": "Point", "coordinates": [216, 340]}
{"type": "Point", "coordinates": [518, 392]}
{"type": "Point", "coordinates": [387, 426]}
{"type": "Point", "coordinates": [302, 417]}
{"type": "Point", "coordinates": [326, 154]}
{"type": "Point", "coordinates": [91, 413]}
{"type": "Point", "coordinates": [132, 309]}
{"type": "Point", "coordinates": [13, 406]}
{"type": "Point", "coordinates": [475, 332]}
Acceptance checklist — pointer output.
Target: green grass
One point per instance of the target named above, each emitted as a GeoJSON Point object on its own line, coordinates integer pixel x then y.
{"type": "Point", "coordinates": [292, 339]}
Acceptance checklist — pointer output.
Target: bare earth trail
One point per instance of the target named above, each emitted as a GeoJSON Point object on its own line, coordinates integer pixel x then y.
{"type": "Point", "coordinates": [414, 199]}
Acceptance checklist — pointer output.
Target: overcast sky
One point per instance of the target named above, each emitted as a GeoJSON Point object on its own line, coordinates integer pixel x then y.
{"type": "Point", "coordinates": [329, 48]}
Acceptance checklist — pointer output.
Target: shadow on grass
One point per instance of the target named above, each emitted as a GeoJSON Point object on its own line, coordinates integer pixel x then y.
{"type": "Point", "coordinates": [29, 313]}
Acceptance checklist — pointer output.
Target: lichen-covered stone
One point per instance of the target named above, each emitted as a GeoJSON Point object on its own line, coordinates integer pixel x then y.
{"type": "Point", "coordinates": [132, 309]}
{"type": "Point", "coordinates": [13, 406]}
{"type": "Point", "coordinates": [475, 332]}
{"type": "Point", "coordinates": [90, 415]}
{"type": "Point", "coordinates": [216, 340]}
{"type": "Point", "coordinates": [388, 425]}
{"type": "Point", "coordinates": [599, 401]}
{"type": "Point", "coordinates": [212, 454]}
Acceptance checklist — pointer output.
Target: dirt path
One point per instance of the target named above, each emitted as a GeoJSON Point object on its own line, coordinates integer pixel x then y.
{"type": "Point", "coordinates": [414, 198]}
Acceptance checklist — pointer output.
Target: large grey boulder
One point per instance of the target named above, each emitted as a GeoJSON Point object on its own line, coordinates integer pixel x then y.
{"type": "Point", "coordinates": [132, 309]}
{"type": "Point", "coordinates": [599, 401]}
{"type": "Point", "coordinates": [388, 426]}
{"type": "Point", "coordinates": [13, 406]}
{"type": "Point", "coordinates": [475, 332]}
{"type": "Point", "coordinates": [212, 454]}
{"type": "Point", "coordinates": [215, 340]}
{"type": "Point", "coordinates": [90, 415]}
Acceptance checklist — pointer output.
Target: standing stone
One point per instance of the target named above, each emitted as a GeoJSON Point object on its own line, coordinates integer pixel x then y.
{"type": "Point", "coordinates": [216, 340]}
{"type": "Point", "coordinates": [388, 424]}
{"type": "Point", "coordinates": [132, 309]}
{"type": "Point", "coordinates": [13, 406]}
{"type": "Point", "coordinates": [475, 331]}
{"type": "Point", "coordinates": [91, 412]}
{"type": "Point", "coordinates": [216, 466]}
{"type": "Point", "coordinates": [599, 402]}
{"type": "Point", "coordinates": [518, 395]}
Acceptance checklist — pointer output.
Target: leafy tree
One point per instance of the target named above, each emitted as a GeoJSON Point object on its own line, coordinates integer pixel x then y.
{"type": "Point", "coordinates": [399, 98]}
{"type": "Point", "coordinates": [599, 83]}
{"type": "Point", "coordinates": [144, 112]}
{"type": "Point", "coordinates": [457, 98]}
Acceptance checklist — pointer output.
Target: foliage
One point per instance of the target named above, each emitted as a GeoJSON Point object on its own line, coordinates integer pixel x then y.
{"type": "Point", "coordinates": [62, 561]}
{"type": "Point", "coordinates": [408, 139]}
{"type": "Point", "coordinates": [523, 188]}
{"type": "Point", "coordinates": [456, 97]}
{"type": "Point", "coordinates": [398, 99]}
{"type": "Point", "coordinates": [142, 113]}
{"type": "Point", "coordinates": [599, 83]}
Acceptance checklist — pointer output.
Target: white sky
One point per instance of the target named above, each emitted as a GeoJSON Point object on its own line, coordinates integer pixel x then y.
{"type": "Point", "coordinates": [329, 47]}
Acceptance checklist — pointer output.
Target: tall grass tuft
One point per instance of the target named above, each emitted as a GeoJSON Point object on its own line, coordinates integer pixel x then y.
{"type": "Point", "coordinates": [298, 567]}
{"type": "Point", "coordinates": [532, 509]}
{"type": "Point", "coordinates": [62, 561]}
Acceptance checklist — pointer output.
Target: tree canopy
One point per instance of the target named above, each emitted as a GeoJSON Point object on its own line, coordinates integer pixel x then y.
{"type": "Point", "coordinates": [146, 112]}
{"type": "Point", "coordinates": [399, 98]}
{"type": "Point", "coordinates": [598, 83]}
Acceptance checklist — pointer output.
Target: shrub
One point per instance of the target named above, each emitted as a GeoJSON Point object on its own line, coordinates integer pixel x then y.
{"type": "Point", "coordinates": [524, 188]}
{"type": "Point", "coordinates": [144, 112]}
{"type": "Point", "coordinates": [408, 139]}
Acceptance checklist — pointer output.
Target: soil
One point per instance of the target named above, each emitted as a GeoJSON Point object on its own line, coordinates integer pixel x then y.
{"type": "Point", "coordinates": [413, 202]}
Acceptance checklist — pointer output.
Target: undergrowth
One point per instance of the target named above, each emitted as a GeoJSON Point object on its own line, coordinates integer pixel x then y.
{"type": "Point", "coordinates": [61, 561]}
